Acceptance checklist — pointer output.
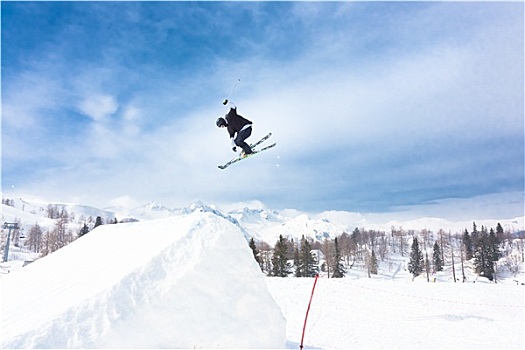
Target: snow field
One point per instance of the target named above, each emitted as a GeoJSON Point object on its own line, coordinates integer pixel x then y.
{"type": "Point", "coordinates": [194, 285]}
{"type": "Point", "coordinates": [190, 281]}
{"type": "Point", "coordinates": [386, 313]}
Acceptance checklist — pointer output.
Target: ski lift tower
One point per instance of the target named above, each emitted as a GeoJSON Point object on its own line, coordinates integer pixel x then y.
{"type": "Point", "coordinates": [11, 226]}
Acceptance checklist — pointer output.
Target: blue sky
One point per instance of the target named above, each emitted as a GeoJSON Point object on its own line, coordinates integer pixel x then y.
{"type": "Point", "coordinates": [374, 106]}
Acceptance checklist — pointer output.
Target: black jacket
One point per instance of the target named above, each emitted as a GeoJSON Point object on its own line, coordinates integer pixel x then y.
{"type": "Point", "coordinates": [235, 122]}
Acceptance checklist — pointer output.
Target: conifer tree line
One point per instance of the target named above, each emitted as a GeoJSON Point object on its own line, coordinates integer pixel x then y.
{"type": "Point", "coordinates": [427, 253]}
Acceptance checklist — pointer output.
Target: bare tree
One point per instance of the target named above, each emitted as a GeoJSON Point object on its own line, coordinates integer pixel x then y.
{"type": "Point", "coordinates": [329, 253]}
{"type": "Point", "coordinates": [266, 253]}
{"type": "Point", "coordinates": [383, 246]}
{"type": "Point", "coordinates": [34, 238]}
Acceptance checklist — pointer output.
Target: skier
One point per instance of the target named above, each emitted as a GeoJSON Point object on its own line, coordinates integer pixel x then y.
{"type": "Point", "coordinates": [238, 127]}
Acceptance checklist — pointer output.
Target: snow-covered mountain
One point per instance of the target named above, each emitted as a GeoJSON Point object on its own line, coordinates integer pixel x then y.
{"type": "Point", "coordinates": [254, 219]}
{"type": "Point", "coordinates": [26, 218]}
{"type": "Point", "coordinates": [29, 213]}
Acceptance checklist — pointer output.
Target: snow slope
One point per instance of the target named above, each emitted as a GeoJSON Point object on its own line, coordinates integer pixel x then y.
{"type": "Point", "coordinates": [27, 218]}
{"type": "Point", "coordinates": [395, 313]}
{"type": "Point", "coordinates": [30, 212]}
{"type": "Point", "coordinates": [195, 285]}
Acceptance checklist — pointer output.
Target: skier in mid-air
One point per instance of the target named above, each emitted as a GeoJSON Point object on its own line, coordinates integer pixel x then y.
{"type": "Point", "coordinates": [238, 127]}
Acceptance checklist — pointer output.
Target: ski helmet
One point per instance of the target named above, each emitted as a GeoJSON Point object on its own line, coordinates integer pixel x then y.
{"type": "Point", "coordinates": [221, 122]}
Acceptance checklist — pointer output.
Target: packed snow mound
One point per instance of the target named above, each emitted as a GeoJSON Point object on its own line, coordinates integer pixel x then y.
{"type": "Point", "coordinates": [182, 282]}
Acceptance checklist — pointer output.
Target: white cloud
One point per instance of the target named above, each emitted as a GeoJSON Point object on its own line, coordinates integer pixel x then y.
{"type": "Point", "coordinates": [98, 106]}
{"type": "Point", "coordinates": [26, 96]}
{"type": "Point", "coordinates": [125, 202]}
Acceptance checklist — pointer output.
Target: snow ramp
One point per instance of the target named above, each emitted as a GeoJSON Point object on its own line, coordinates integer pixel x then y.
{"type": "Point", "coordinates": [181, 282]}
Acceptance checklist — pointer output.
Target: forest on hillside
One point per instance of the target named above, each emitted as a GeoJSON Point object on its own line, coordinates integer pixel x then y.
{"type": "Point", "coordinates": [486, 252]}
{"type": "Point", "coordinates": [483, 252]}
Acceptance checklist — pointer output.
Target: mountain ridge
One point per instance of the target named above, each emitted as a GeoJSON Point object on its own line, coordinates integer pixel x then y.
{"type": "Point", "coordinates": [259, 222]}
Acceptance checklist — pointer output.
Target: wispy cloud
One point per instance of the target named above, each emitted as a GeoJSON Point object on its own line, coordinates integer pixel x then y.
{"type": "Point", "coordinates": [373, 105]}
{"type": "Point", "coordinates": [98, 107]}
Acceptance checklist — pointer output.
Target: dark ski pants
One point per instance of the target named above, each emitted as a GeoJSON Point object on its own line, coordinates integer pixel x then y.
{"type": "Point", "coordinates": [241, 136]}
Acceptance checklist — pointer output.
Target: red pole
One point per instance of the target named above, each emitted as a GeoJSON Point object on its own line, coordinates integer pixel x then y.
{"type": "Point", "coordinates": [308, 310]}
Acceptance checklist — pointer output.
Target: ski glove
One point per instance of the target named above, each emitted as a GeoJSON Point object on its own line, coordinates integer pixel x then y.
{"type": "Point", "coordinates": [234, 146]}
{"type": "Point", "coordinates": [229, 103]}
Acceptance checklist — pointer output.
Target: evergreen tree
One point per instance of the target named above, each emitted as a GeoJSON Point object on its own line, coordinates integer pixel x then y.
{"type": "Point", "coordinates": [437, 259]}
{"type": "Point", "coordinates": [494, 242]}
{"type": "Point", "coordinates": [83, 230]}
{"type": "Point", "coordinates": [467, 242]}
{"type": "Point", "coordinates": [475, 237]}
{"type": "Point", "coordinates": [255, 252]}
{"type": "Point", "coordinates": [98, 221]}
{"type": "Point", "coordinates": [306, 265]}
{"type": "Point", "coordinates": [339, 269]}
{"type": "Point", "coordinates": [483, 256]}
{"type": "Point", "coordinates": [280, 265]}
{"type": "Point", "coordinates": [416, 263]}
{"type": "Point", "coordinates": [500, 233]}
{"type": "Point", "coordinates": [487, 253]}
{"type": "Point", "coordinates": [297, 263]}
{"type": "Point", "coordinates": [373, 263]}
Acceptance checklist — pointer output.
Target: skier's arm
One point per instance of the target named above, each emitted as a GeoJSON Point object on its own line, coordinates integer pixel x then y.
{"type": "Point", "coordinates": [229, 104]}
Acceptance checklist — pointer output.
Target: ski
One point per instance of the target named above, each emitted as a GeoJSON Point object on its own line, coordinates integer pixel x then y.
{"type": "Point", "coordinates": [261, 140]}
{"type": "Point", "coordinates": [238, 159]}
{"type": "Point", "coordinates": [252, 146]}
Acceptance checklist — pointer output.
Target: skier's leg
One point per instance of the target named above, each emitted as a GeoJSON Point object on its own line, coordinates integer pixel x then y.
{"type": "Point", "coordinates": [241, 136]}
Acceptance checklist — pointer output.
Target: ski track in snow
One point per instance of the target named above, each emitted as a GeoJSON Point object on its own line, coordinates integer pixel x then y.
{"type": "Point", "coordinates": [380, 313]}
